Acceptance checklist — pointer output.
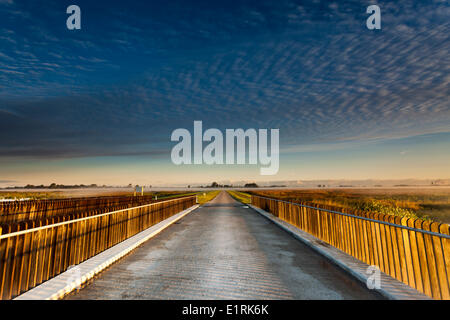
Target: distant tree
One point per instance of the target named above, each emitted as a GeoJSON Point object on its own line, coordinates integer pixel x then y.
{"type": "Point", "coordinates": [251, 185]}
{"type": "Point", "coordinates": [214, 185]}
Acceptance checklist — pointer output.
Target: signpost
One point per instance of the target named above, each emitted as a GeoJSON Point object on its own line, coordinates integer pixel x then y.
{"type": "Point", "coordinates": [138, 189]}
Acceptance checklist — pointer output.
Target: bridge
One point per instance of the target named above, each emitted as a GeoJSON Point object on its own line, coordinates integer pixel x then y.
{"type": "Point", "coordinates": [223, 250]}
{"type": "Point", "coordinates": [176, 249]}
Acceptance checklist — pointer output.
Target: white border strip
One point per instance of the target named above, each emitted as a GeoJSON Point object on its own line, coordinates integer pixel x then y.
{"type": "Point", "coordinates": [66, 282]}
{"type": "Point", "coordinates": [390, 288]}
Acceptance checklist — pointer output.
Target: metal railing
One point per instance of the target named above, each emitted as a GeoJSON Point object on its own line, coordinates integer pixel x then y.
{"type": "Point", "coordinates": [414, 251]}
{"type": "Point", "coordinates": [35, 251]}
{"type": "Point", "coordinates": [19, 211]}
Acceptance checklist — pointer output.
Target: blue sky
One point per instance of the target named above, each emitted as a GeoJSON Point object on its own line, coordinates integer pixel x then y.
{"type": "Point", "coordinates": [100, 103]}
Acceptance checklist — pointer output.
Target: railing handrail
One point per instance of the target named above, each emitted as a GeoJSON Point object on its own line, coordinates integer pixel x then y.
{"type": "Point", "coordinates": [18, 233]}
{"type": "Point", "coordinates": [123, 200]}
{"type": "Point", "coordinates": [441, 235]}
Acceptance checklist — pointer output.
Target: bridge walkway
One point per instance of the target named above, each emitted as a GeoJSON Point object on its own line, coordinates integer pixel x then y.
{"type": "Point", "coordinates": [223, 250]}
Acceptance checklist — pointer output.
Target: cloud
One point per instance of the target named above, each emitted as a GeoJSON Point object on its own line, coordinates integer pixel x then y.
{"type": "Point", "coordinates": [314, 71]}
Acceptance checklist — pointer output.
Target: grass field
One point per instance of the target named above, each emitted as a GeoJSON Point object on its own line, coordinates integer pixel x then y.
{"type": "Point", "coordinates": [170, 195]}
{"type": "Point", "coordinates": [204, 197]}
{"type": "Point", "coordinates": [31, 195]}
{"type": "Point", "coordinates": [241, 196]}
{"type": "Point", "coordinates": [75, 193]}
{"type": "Point", "coordinates": [424, 203]}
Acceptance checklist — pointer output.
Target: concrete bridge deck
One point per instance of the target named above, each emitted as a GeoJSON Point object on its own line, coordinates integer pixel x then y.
{"type": "Point", "coordinates": [223, 250]}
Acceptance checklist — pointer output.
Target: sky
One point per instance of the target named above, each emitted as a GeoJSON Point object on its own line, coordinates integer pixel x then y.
{"type": "Point", "coordinates": [98, 105]}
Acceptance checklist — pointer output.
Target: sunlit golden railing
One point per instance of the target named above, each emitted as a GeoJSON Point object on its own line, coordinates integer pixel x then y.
{"type": "Point", "coordinates": [32, 252]}
{"type": "Point", "coordinates": [19, 211]}
{"type": "Point", "coordinates": [414, 251]}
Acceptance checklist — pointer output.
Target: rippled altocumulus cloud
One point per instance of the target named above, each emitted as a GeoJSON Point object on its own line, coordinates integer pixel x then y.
{"type": "Point", "coordinates": [311, 69]}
